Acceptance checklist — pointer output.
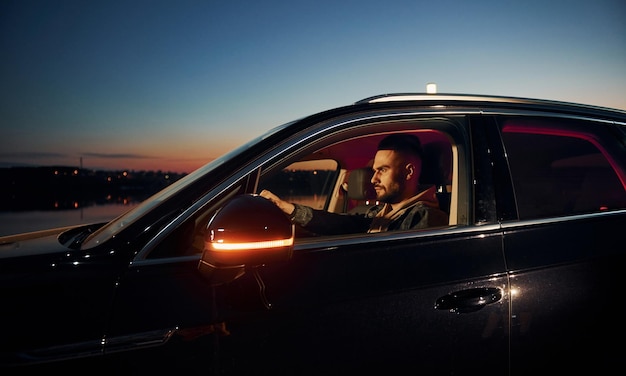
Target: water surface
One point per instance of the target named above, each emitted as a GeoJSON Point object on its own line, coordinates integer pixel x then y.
{"type": "Point", "coordinates": [16, 222]}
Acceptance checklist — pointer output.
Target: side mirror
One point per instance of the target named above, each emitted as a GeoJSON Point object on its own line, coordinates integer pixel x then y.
{"type": "Point", "coordinates": [248, 231]}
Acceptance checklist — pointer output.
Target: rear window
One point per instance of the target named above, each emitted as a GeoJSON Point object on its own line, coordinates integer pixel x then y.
{"type": "Point", "coordinates": [560, 167]}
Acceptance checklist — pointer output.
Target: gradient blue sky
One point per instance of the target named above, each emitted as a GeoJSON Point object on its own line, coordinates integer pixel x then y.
{"type": "Point", "coordinates": [170, 85]}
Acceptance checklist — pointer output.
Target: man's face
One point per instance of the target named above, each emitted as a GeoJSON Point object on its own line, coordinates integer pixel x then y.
{"type": "Point", "coordinates": [389, 177]}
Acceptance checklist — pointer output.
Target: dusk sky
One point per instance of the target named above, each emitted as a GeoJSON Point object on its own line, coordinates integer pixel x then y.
{"type": "Point", "coordinates": [171, 85]}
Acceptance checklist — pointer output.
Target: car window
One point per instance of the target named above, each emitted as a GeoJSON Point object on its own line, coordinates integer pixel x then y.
{"type": "Point", "coordinates": [317, 174]}
{"type": "Point", "coordinates": [562, 167]}
{"type": "Point", "coordinates": [308, 182]}
{"type": "Point", "coordinates": [336, 176]}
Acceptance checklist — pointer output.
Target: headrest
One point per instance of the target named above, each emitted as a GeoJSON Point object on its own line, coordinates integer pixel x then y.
{"type": "Point", "coordinates": [360, 186]}
{"type": "Point", "coordinates": [437, 164]}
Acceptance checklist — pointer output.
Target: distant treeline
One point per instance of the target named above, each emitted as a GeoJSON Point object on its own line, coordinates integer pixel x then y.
{"type": "Point", "coordinates": [59, 187]}
{"type": "Point", "coordinates": [28, 188]}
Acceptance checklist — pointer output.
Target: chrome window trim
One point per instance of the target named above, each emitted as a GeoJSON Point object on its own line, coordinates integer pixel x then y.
{"type": "Point", "coordinates": [331, 243]}
{"type": "Point", "coordinates": [546, 114]}
{"type": "Point", "coordinates": [558, 219]}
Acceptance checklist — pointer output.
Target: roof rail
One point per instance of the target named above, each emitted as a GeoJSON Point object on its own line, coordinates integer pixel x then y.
{"type": "Point", "coordinates": [476, 98]}
{"type": "Point", "coordinates": [399, 97]}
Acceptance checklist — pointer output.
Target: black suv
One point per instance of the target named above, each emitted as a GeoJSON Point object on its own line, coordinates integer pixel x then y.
{"type": "Point", "coordinates": [208, 277]}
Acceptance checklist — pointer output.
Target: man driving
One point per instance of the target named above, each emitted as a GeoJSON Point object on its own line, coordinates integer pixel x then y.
{"type": "Point", "coordinates": [403, 204]}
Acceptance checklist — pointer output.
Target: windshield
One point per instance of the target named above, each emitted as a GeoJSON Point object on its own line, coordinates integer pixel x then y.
{"type": "Point", "coordinates": [118, 224]}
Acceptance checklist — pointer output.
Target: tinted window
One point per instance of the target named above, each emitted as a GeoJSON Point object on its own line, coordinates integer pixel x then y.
{"type": "Point", "coordinates": [562, 167]}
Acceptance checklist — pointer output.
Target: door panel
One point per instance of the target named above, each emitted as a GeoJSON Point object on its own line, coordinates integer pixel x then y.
{"type": "Point", "coordinates": [565, 277]}
{"type": "Point", "coordinates": [371, 307]}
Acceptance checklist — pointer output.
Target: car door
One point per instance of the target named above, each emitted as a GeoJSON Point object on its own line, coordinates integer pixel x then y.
{"type": "Point", "coordinates": [564, 250]}
{"type": "Point", "coordinates": [434, 301]}
{"type": "Point", "coordinates": [429, 302]}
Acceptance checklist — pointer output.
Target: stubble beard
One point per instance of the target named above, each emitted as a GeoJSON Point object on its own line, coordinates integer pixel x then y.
{"type": "Point", "coordinates": [388, 196]}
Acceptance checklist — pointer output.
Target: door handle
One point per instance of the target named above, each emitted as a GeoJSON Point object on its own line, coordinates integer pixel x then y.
{"type": "Point", "coordinates": [469, 300]}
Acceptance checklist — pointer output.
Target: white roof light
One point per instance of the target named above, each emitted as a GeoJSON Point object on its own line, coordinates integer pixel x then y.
{"type": "Point", "coordinates": [431, 88]}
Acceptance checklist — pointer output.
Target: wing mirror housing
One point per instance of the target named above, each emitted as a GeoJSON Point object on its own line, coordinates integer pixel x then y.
{"type": "Point", "coordinates": [247, 231]}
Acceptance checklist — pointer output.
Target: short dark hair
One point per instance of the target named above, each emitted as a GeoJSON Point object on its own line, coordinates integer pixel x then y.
{"type": "Point", "coordinates": [402, 143]}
